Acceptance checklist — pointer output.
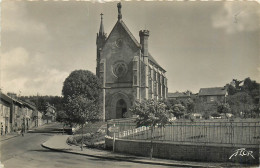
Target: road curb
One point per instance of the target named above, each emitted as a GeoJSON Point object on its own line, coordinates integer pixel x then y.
{"type": "Point", "coordinates": [128, 160]}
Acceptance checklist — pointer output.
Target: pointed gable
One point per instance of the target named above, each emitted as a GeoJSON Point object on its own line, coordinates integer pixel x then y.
{"type": "Point", "coordinates": [133, 39]}
{"type": "Point", "coordinates": [122, 25]}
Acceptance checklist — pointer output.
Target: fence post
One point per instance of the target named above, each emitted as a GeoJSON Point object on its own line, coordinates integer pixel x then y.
{"type": "Point", "coordinates": [114, 140]}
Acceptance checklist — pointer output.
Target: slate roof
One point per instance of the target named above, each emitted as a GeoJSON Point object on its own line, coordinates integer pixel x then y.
{"type": "Point", "coordinates": [178, 95]}
{"type": "Point", "coordinates": [137, 43]}
{"type": "Point", "coordinates": [216, 91]}
{"type": "Point", "coordinates": [150, 57]}
{"type": "Point", "coordinates": [10, 99]}
{"type": "Point", "coordinates": [29, 105]}
{"type": "Point", "coordinates": [5, 97]}
{"type": "Point", "coordinates": [129, 33]}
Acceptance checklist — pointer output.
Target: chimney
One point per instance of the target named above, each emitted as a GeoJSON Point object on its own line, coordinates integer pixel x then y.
{"type": "Point", "coordinates": [144, 34]}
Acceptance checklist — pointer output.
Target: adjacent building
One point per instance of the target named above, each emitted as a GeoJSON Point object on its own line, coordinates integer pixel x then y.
{"type": "Point", "coordinates": [15, 114]}
{"type": "Point", "coordinates": [211, 95]}
{"type": "Point", "coordinates": [5, 113]}
{"type": "Point", "coordinates": [127, 70]}
{"type": "Point", "coordinates": [37, 117]}
{"type": "Point", "coordinates": [179, 95]}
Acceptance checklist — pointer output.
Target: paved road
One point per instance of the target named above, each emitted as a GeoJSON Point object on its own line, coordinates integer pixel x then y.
{"type": "Point", "coordinates": [26, 152]}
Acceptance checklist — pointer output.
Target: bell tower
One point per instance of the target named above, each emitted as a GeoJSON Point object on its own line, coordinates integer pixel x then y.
{"type": "Point", "coordinates": [100, 41]}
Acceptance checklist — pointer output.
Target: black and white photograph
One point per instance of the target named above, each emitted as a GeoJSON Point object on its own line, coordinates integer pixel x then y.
{"type": "Point", "coordinates": [138, 84]}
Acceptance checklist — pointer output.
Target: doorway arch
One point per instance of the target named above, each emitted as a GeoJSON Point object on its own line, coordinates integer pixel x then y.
{"type": "Point", "coordinates": [119, 106]}
{"type": "Point", "coordinates": [121, 109]}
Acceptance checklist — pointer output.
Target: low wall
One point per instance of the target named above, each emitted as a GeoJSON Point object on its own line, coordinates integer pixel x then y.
{"type": "Point", "coordinates": [188, 152]}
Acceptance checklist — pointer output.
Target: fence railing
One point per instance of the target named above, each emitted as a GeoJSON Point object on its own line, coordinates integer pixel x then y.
{"type": "Point", "coordinates": [195, 132]}
{"type": "Point", "coordinates": [123, 124]}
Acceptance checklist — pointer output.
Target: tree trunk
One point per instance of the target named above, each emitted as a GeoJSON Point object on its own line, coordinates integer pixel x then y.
{"type": "Point", "coordinates": [63, 129]}
{"type": "Point", "coordinates": [151, 151]}
{"type": "Point", "coordinates": [82, 139]}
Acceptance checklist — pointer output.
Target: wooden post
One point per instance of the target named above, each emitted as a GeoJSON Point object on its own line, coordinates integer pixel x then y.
{"type": "Point", "coordinates": [114, 140]}
{"type": "Point", "coordinates": [151, 152]}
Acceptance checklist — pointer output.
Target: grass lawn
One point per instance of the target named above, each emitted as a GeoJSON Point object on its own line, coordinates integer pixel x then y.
{"type": "Point", "coordinates": [240, 131]}
{"type": "Point", "coordinates": [90, 128]}
{"type": "Point", "coordinates": [93, 135]}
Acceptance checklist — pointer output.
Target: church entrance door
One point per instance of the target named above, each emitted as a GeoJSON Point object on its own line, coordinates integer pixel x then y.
{"type": "Point", "coordinates": [121, 109]}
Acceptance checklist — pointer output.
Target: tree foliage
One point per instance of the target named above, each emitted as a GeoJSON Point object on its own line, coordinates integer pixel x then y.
{"type": "Point", "coordinates": [223, 108]}
{"type": "Point", "coordinates": [81, 91]}
{"type": "Point", "coordinates": [178, 110]}
{"type": "Point", "coordinates": [62, 117]}
{"type": "Point", "coordinates": [243, 97]}
{"type": "Point", "coordinates": [151, 113]}
{"type": "Point", "coordinates": [240, 102]}
{"type": "Point", "coordinates": [82, 83]}
{"type": "Point", "coordinates": [81, 110]}
{"type": "Point", "coordinates": [41, 101]}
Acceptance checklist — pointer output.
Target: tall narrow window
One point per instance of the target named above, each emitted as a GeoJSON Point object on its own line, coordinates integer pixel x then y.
{"type": "Point", "coordinates": [159, 85]}
{"type": "Point", "coordinates": [135, 71]}
{"type": "Point", "coordinates": [155, 83]}
{"type": "Point", "coordinates": [102, 71]}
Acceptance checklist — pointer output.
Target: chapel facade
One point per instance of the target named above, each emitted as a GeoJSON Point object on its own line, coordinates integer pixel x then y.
{"type": "Point", "coordinates": [127, 70]}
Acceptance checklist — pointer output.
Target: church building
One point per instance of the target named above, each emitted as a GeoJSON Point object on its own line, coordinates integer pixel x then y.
{"type": "Point", "coordinates": [127, 70]}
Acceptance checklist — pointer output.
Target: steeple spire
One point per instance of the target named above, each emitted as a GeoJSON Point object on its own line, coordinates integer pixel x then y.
{"type": "Point", "coordinates": [101, 29]}
{"type": "Point", "coordinates": [119, 6]}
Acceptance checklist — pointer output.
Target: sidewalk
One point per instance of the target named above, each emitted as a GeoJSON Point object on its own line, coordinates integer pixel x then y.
{"type": "Point", "coordinates": [15, 134]}
{"type": "Point", "coordinates": [8, 136]}
{"type": "Point", "coordinates": [58, 143]}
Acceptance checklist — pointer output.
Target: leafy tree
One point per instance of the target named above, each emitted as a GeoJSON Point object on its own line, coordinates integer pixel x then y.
{"type": "Point", "coordinates": [178, 110]}
{"type": "Point", "coordinates": [81, 91]}
{"type": "Point", "coordinates": [206, 115]}
{"type": "Point", "coordinates": [215, 115]}
{"type": "Point", "coordinates": [237, 83]}
{"type": "Point", "coordinates": [80, 111]}
{"type": "Point", "coordinates": [231, 90]}
{"type": "Point", "coordinates": [41, 101]}
{"type": "Point", "coordinates": [151, 113]}
{"type": "Point", "coordinates": [41, 105]}
{"type": "Point", "coordinates": [252, 88]}
{"type": "Point", "coordinates": [176, 107]}
{"type": "Point", "coordinates": [171, 102]}
{"type": "Point", "coordinates": [250, 85]}
{"type": "Point", "coordinates": [240, 102]}
{"type": "Point", "coordinates": [83, 83]}
{"type": "Point", "coordinates": [223, 108]}
{"type": "Point", "coordinates": [190, 105]}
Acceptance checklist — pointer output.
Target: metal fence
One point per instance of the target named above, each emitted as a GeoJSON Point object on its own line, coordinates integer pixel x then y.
{"type": "Point", "coordinates": [195, 132]}
{"type": "Point", "coordinates": [123, 124]}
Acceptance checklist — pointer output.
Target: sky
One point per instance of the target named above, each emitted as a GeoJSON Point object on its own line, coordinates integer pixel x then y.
{"type": "Point", "coordinates": [199, 44]}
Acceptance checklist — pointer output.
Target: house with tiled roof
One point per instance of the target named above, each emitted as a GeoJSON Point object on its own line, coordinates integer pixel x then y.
{"type": "Point", "coordinates": [211, 95]}
{"type": "Point", "coordinates": [127, 70]}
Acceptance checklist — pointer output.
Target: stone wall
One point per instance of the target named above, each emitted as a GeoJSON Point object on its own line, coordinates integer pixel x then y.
{"type": "Point", "coordinates": [188, 152]}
